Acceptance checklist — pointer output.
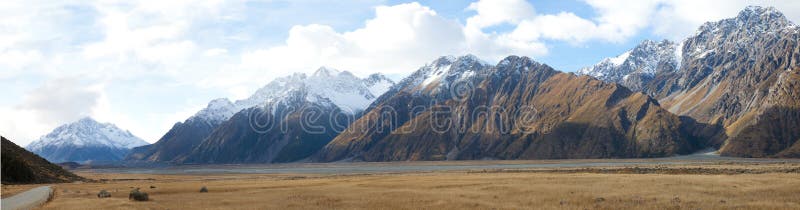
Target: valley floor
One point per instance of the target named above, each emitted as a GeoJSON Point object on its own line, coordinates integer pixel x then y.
{"type": "Point", "coordinates": [718, 185]}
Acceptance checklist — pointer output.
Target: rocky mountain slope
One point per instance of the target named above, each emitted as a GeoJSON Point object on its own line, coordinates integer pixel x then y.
{"type": "Point", "coordinates": [19, 166]}
{"type": "Point", "coordinates": [737, 73]}
{"type": "Point", "coordinates": [222, 124]}
{"type": "Point", "coordinates": [774, 130]}
{"type": "Point", "coordinates": [85, 140]}
{"type": "Point", "coordinates": [519, 109]}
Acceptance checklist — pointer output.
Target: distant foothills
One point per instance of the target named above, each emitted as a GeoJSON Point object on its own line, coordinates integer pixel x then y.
{"type": "Point", "coordinates": [733, 86]}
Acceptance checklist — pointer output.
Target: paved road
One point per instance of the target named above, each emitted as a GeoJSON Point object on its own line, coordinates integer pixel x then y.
{"type": "Point", "coordinates": [29, 199]}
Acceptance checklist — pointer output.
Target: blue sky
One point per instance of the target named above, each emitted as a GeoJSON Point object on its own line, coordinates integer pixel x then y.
{"type": "Point", "coordinates": [145, 65]}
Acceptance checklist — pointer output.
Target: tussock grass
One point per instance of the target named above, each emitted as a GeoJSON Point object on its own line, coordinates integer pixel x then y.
{"type": "Point", "coordinates": [578, 189]}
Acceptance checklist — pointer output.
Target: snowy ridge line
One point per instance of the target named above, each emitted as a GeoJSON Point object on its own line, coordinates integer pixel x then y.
{"type": "Point", "coordinates": [328, 86]}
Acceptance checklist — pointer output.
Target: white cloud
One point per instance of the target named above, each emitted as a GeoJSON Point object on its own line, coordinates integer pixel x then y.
{"type": "Point", "coordinates": [616, 21]}
{"type": "Point", "coordinates": [495, 46]}
{"type": "Point", "coordinates": [494, 12]}
{"type": "Point", "coordinates": [14, 61]}
{"type": "Point", "coordinates": [621, 19]}
{"type": "Point", "coordinates": [563, 26]}
{"type": "Point", "coordinates": [398, 39]}
{"type": "Point", "coordinates": [62, 100]}
{"type": "Point", "coordinates": [21, 126]}
{"type": "Point", "coordinates": [215, 52]}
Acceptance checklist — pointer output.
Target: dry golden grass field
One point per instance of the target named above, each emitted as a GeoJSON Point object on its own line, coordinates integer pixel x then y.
{"type": "Point", "coordinates": [649, 186]}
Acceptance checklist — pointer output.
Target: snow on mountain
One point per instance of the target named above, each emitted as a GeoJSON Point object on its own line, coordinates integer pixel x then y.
{"type": "Point", "coordinates": [436, 78]}
{"type": "Point", "coordinates": [85, 140]}
{"type": "Point", "coordinates": [636, 67]}
{"type": "Point", "coordinates": [443, 72]}
{"type": "Point", "coordinates": [751, 20]}
{"type": "Point", "coordinates": [378, 84]}
{"type": "Point", "coordinates": [88, 132]}
{"type": "Point", "coordinates": [436, 70]}
{"type": "Point", "coordinates": [620, 59]}
{"type": "Point", "coordinates": [327, 91]}
{"type": "Point", "coordinates": [341, 88]}
{"type": "Point", "coordinates": [750, 24]}
{"type": "Point", "coordinates": [644, 61]}
{"type": "Point", "coordinates": [217, 111]}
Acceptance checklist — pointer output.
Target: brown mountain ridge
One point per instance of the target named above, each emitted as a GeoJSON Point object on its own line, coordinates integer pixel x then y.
{"type": "Point", "coordinates": [539, 113]}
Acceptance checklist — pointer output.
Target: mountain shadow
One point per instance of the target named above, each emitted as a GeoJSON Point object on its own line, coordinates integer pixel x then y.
{"type": "Point", "coordinates": [21, 166]}
{"type": "Point", "coordinates": [776, 133]}
{"type": "Point", "coordinates": [259, 135]}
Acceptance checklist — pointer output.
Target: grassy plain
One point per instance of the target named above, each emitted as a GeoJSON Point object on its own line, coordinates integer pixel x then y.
{"type": "Point", "coordinates": [647, 186]}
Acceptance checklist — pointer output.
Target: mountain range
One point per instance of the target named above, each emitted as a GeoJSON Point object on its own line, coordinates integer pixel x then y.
{"type": "Point", "coordinates": [733, 86]}
{"type": "Point", "coordinates": [517, 109]}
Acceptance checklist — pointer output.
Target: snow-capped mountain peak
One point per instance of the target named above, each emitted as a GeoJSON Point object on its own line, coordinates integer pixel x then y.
{"type": "Point", "coordinates": [751, 24]}
{"type": "Point", "coordinates": [645, 61]}
{"type": "Point", "coordinates": [751, 20]}
{"type": "Point", "coordinates": [339, 87]}
{"type": "Point", "coordinates": [378, 83]}
{"type": "Point", "coordinates": [620, 59]}
{"type": "Point", "coordinates": [325, 85]}
{"type": "Point", "coordinates": [445, 70]}
{"type": "Point", "coordinates": [758, 16]}
{"type": "Point", "coordinates": [437, 69]}
{"type": "Point", "coordinates": [87, 132]}
{"type": "Point", "coordinates": [218, 110]}
{"type": "Point", "coordinates": [325, 71]}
